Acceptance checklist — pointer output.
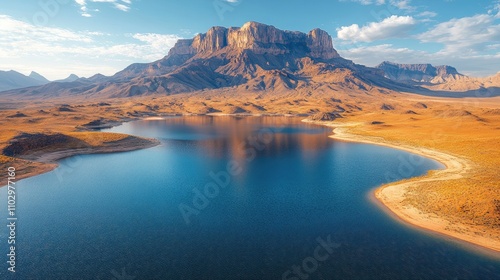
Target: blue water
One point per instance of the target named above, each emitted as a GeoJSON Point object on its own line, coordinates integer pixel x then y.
{"type": "Point", "coordinates": [287, 190]}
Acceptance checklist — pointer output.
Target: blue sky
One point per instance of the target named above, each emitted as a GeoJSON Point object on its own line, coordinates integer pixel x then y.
{"type": "Point", "coordinates": [59, 37]}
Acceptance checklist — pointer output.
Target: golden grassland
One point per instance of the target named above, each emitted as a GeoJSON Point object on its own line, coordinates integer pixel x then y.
{"type": "Point", "coordinates": [468, 129]}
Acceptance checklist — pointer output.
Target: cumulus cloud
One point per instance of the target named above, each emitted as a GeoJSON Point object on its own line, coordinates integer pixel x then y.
{"type": "Point", "coordinates": [391, 27]}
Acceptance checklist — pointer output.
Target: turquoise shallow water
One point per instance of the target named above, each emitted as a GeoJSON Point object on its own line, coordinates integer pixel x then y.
{"type": "Point", "coordinates": [228, 198]}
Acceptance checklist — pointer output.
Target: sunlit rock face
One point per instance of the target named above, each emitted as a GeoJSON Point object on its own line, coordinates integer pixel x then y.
{"type": "Point", "coordinates": [260, 39]}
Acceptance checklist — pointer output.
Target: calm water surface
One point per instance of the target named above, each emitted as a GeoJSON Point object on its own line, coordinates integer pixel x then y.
{"type": "Point", "coordinates": [228, 198]}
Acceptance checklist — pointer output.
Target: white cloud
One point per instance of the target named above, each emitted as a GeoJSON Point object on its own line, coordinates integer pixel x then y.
{"type": "Point", "coordinates": [464, 35]}
{"type": "Point", "coordinates": [497, 9]}
{"type": "Point", "coordinates": [12, 30]}
{"type": "Point", "coordinates": [85, 11]}
{"type": "Point", "coordinates": [391, 27]}
{"type": "Point", "coordinates": [158, 44]}
{"type": "Point", "coordinates": [402, 4]}
{"type": "Point", "coordinates": [26, 44]}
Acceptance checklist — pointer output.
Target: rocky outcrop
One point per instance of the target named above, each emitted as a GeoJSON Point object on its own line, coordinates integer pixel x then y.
{"type": "Point", "coordinates": [322, 116]}
{"type": "Point", "coordinates": [320, 44]}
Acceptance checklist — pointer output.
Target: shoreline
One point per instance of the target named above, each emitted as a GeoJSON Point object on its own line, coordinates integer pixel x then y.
{"type": "Point", "coordinates": [391, 196]}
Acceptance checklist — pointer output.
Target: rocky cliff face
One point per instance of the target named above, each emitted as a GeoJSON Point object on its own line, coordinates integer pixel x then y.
{"type": "Point", "coordinates": [260, 39]}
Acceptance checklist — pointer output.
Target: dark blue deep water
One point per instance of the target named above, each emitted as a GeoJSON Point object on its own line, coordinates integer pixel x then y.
{"type": "Point", "coordinates": [228, 198]}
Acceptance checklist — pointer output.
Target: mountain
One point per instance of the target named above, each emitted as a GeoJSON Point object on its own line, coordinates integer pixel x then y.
{"type": "Point", "coordinates": [418, 73]}
{"type": "Point", "coordinates": [14, 80]}
{"type": "Point", "coordinates": [38, 77]}
{"type": "Point", "coordinates": [262, 58]}
{"type": "Point", "coordinates": [252, 58]}
{"type": "Point", "coordinates": [70, 78]}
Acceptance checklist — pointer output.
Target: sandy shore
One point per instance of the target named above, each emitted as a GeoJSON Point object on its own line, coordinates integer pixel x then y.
{"type": "Point", "coordinates": [392, 195]}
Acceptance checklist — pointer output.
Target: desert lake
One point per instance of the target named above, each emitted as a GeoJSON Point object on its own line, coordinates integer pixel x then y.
{"type": "Point", "coordinates": [228, 198]}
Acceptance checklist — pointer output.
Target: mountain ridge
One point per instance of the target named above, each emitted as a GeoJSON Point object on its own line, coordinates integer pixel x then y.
{"type": "Point", "coordinates": [438, 78]}
{"type": "Point", "coordinates": [257, 58]}
{"type": "Point", "coordinates": [417, 73]}
{"type": "Point", "coordinates": [254, 57]}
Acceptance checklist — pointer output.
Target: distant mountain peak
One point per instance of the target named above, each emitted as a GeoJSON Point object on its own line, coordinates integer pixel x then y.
{"type": "Point", "coordinates": [14, 80]}
{"type": "Point", "coordinates": [38, 77]}
{"type": "Point", "coordinates": [70, 78]}
{"type": "Point", "coordinates": [418, 73]}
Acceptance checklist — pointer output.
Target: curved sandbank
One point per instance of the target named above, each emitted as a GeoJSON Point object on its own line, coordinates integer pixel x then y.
{"type": "Point", "coordinates": [392, 195]}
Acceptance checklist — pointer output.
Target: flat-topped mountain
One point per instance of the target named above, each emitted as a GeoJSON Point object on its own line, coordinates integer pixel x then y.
{"type": "Point", "coordinates": [260, 39]}
{"type": "Point", "coordinates": [240, 50]}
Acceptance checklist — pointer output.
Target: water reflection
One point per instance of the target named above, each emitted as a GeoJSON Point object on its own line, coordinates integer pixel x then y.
{"type": "Point", "coordinates": [237, 137]}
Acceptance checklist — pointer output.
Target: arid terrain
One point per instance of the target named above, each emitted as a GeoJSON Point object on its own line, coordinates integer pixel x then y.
{"type": "Point", "coordinates": [465, 202]}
